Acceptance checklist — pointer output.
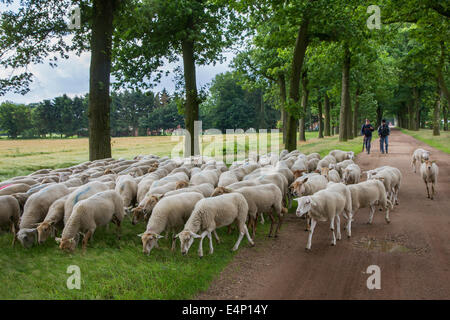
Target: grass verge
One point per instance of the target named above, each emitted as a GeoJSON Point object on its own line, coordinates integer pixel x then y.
{"type": "Point", "coordinates": [441, 142]}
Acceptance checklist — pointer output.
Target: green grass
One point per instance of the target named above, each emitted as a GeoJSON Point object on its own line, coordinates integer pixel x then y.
{"type": "Point", "coordinates": [112, 269]}
{"type": "Point", "coordinates": [441, 142]}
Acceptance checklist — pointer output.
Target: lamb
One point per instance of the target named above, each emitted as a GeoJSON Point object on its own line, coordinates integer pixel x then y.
{"type": "Point", "coordinates": [35, 210]}
{"type": "Point", "coordinates": [340, 155]}
{"type": "Point", "coordinates": [369, 194]}
{"type": "Point", "coordinates": [324, 205]}
{"type": "Point", "coordinates": [127, 187]}
{"type": "Point", "coordinates": [206, 189]}
{"type": "Point", "coordinates": [419, 156]}
{"type": "Point", "coordinates": [308, 186]}
{"type": "Point", "coordinates": [212, 213]}
{"type": "Point", "coordinates": [325, 162]}
{"type": "Point", "coordinates": [227, 178]}
{"type": "Point", "coordinates": [331, 175]}
{"type": "Point", "coordinates": [95, 211]}
{"type": "Point", "coordinates": [53, 221]}
{"type": "Point", "coordinates": [261, 199]}
{"type": "Point", "coordinates": [82, 193]}
{"type": "Point", "coordinates": [14, 188]}
{"type": "Point", "coordinates": [429, 172]}
{"type": "Point", "coordinates": [10, 214]}
{"type": "Point", "coordinates": [171, 213]}
{"type": "Point", "coordinates": [351, 174]}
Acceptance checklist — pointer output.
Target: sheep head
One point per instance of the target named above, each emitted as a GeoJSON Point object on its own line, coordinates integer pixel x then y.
{"type": "Point", "coordinates": [67, 244]}
{"type": "Point", "coordinates": [27, 237]}
{"type": "Point", "coordinates": [181, 184]}
{"type": "Point", "coordinates": [220, 190]}
{"type": "Point", "coordinates": [298, 173]}
{"type": "Point", "coordinates": [44, 230]}
{"type": "Point", "coordinates": [324, 172]}
{"type": "Point", "coordinates": [304, 205]}
{"type": "Point", "coordinates": [187, 239]}
{"type": "Point", "coordinates": [297, 188]}
{"type": "Point", "coordinates": [138, 215]}
{"type": "Point", "coordinates": [149, 241]}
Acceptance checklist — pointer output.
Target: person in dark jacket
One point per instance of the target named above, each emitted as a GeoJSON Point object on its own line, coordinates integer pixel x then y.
{"type": "Point", "coordinates": [383, 133]}
{"type": "Point", "coordinates": [366, 131]}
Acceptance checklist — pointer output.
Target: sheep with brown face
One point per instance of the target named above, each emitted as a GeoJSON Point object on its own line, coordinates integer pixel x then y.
{"type": "Point", "coordinates": [145, 208]}
{"type": "Point", "coordinates": [308, 186]}
{"type": "Point", "coordinates": [331, 175]}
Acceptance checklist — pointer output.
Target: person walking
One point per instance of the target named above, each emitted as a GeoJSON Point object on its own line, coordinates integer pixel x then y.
{"type": "Point", "coordinates": [383, 133]}
{"type": "Point", "coordinates": [366, 131]}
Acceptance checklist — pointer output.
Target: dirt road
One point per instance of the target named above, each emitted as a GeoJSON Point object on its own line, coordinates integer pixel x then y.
{"type": "Point", "coordinates": [413, 251]}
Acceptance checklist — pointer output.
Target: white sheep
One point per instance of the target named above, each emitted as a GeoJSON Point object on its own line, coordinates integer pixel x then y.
{"type": "Point", "coordinates": [391, 178]}
{"type": "Point", "coordinates": [206, 176]}
{"type": "Point", "coordinates": [331, 175]}
{"type": "Point", "coordinates": [127, 187]}
{"type": "Point", "coordinates": [10, 214]}
{"type": "Point", "coordinates": [313, 155]}
{"type": "Point", "coordinates": [311, 165]}
{"type": "Point", "coordinates": [351, 174]}
{"type": "Point", "coordinates": [82, 193]}
{"type": "Point", "coordinates": [299, 167]}
{"type": "Point", "coordinates": [419, 156]}
{"type": "Point", "coordinates": [429, 172]}
{"type": "Point", "coordinates": [324, 205]}
{"type": "Point", "coordinates": [14, 188]}
{"type": "Point", "coordinates": [54, 220]}
{"type": "Point", "coordinates": [35, 210]}
{"type": "Point", "coordinates": [340, 166]}
{"type": "Point", "coordinates": [206, 189]}
{"type": "Point", "coordinates": [340, 155]}
{"type": "Point", "coordinates": [325, 162]}
{"type": "Point", "coordinates": [212, 213]}
{"type": "Point", "coordinates": [227, 178]}
{"type": "Point", "coordinates": [95, 211]}
{"type": "Point", "coordinates": [171, 213]}
{"type": "Point", "coordinates": [308, 186]}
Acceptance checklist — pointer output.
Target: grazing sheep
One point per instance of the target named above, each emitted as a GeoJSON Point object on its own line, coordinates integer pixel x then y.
{"type": "Point", "coordinates": [429, 172]}
{"type": "Point", "coordinates": [14, 188]}
{"type": "Point", "coordinates": [351, 174]}
{"type": "Point", "coordinates": [324, 205]}
{"type": "Point", "coordinates": [308, 186]}
{"type": "Point", "coordinates": [82, 193]}
{"type": "Point", "coordinates": [207, 176]}
{"type": "Point", "coordinates": [331, 175]}
{"type": "Point", "coordinates": [170, 186]}
{"type": "Point", "coordinates": [127, 187]}
{"type": "Point", "coordinates": [144, 186]}
{"type": "Point", "coordinates": [227, 178]}
{"type": "Point", "coordinates": [171, 213]}
{"type": "Point", "coordinates": [95, 211]}
{"type": "Point", "coordinates": [240, 184]}
{"type": "Point", "coordinates": [179, 176]}
{"type": "Point", "coordinates": [340, 155]}
{"type": "Point", "coordinates": [325, 162]}
{"type": "Point", "coordinates": [212, 213]}
{"type": "Point", "coordinates": [206, 189]}
{"type": "Point", "coordinates": [35, 210]}
{"type": "Point", "coordinates": [21, 199]}
{"type": "Point", "coordinates": [261, 199]}
{"type": "Point", "coordinates": [145, 207]}
{"type": "Point", "coordinates": [53, 221]}
{"type": "Point", "coordinates": [10, 214]}
{"type": "Point", "coordinates": [419, 156]}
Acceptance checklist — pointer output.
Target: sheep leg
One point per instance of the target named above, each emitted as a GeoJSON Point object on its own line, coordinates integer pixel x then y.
{"type": "Point", "coordinates": [262, 218]}
{"type": "Point", "coordinates": [200, 247]}
{"type": "Point", "coordinates": [311, 231]}
{"type": "Point", "coordinates": [243, 231]}
{"type": "Point", "coordinates": [333, 239]}
{"type": "Point", "coordinates": [236, 246]}
{"type": "Point", "coordinates": [386, 207]}
{"type": "Point", "coordinates": [428, 192]}
{"type": "Point", "coordinates": [432, 190]}
{"type": "Point", "coordinates": [211, 248]}
{"type": "Point", "coordinates": [349, 225]}
{"type": "Point", "coordinates": [86, 239]}
{"type": "Point", "coordinates": [372, 211]}
{"type": "Point", "coordinates": [216, 236]}
{"type": "Point", "coordinates": [174, 242]}
{"type": "Point", "coordinates": [280, 221]}
{"type": "Point", "coordinates": [248, 235]}
{"type": "Point", "coordinates": [13, 230]}
{"type": "Point", "coordinates": [272, 222]}
{"type": "Point", "coordinates": [338, 227]}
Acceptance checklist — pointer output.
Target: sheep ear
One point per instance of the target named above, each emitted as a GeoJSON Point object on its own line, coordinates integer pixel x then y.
{"type": "Point", "coordinates": [140, 235]}
{"type": "Point", "coordinates": [58, 240]}
{"type": "Point", "coordinates": [195, 235]}
{"type": "Point", "coordinates": [158, 236]}
{"type": "Point", "coordinates": [177, 235]}
{"type": "Point", "coordinates": [296, 199]}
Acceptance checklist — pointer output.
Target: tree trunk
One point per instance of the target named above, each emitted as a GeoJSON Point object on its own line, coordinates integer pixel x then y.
{"type": "Point", "coordinates": [355, 114]}
{"type": "Point", "coordinates": [379, 115]}
{"type": "Point", "coordinates": [191, 110]}
{"type": "Point", "coordinates": [305, 93]}
{"type": "Point", "coordinates": [445, 113]}
{"type": "Point", "coordinates": [345, 96]}
{"type": "Point", "coordinates": [436, 113]}
{"type": "Point", "coordinates": [99, 79]}
{"type": "Point", "coordinates": [326, 105]}
{"type": "Point", "coordinates": [301, 44]}
{"type": "Point", "coordinates": [282, 85]}
{"type": "Point", "coordinates": [410, 114]}
{"type": "Point", "coordinates": [440, 76]}
{"type": "Point", "coordinates": [416, 109]}
{"type": "Point", "coordinates": [319, 107]}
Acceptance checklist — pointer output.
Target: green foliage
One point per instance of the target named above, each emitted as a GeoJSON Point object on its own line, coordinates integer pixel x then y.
{"type": "Point", "coordinates": [14, 118]}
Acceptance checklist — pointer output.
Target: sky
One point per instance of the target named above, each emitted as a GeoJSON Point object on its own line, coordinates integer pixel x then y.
{"type": "Point", "coordinates": [71, 76]}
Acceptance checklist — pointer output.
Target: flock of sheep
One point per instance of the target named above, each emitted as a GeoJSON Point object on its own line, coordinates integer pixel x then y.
{"type": "Point", "coordinates": [190, 198]}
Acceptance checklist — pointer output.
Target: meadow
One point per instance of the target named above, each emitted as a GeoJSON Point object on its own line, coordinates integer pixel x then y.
{"type": "Point", "coordinates": [112, 269]}
{"type": "Point", "coordinates": [441, 142]}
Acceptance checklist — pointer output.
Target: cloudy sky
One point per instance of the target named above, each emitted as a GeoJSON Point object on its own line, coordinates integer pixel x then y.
{"type": "Point", "coordinates": [72, 77]}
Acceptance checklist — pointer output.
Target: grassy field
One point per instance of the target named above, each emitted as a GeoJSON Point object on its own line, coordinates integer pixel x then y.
{"type": "Point", "coordinates": [111, 269]}
{"type": "Point", "coordinates": [441, 142]}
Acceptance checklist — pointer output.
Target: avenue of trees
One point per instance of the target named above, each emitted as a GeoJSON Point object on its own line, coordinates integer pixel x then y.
{"type": "Point", "coordinates": [320, 61]}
